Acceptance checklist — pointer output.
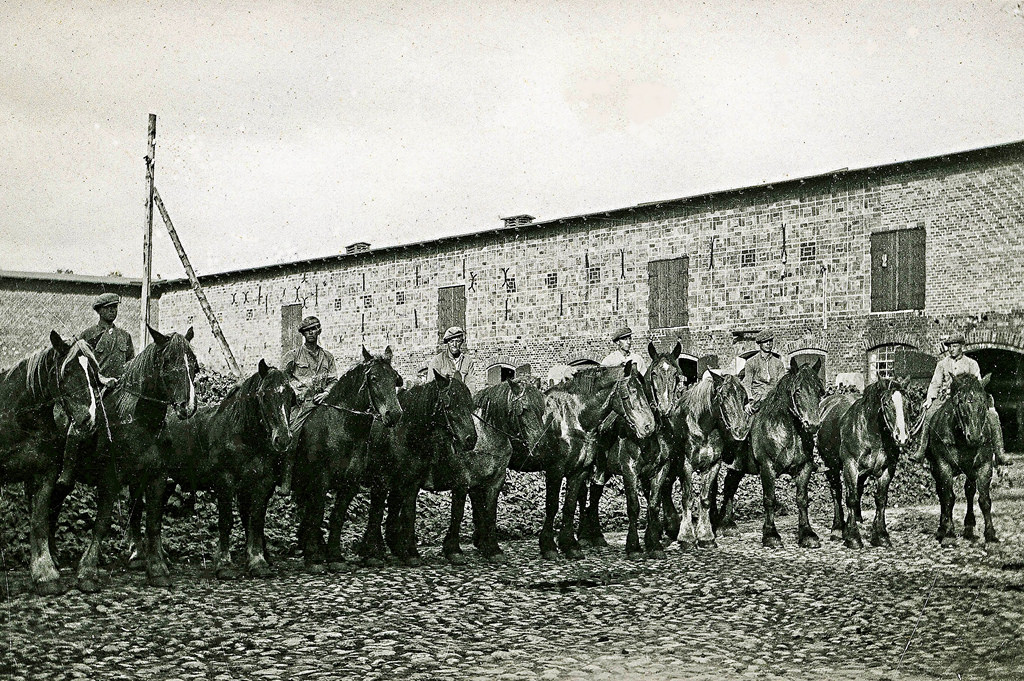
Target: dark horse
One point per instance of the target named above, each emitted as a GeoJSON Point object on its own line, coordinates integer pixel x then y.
{"type": "Point", "coordinates": [574, 449]}
{"type": "Point", "coordinates": [31, 442]}
{"type": "Point", "coordinates": [959, 442]}
{"type": "Point", "coordinates": [861, 437]}
{"type": "Point", "coordinates": [135, 410]}
{"type": "Point", "coordinates": [236, 449]}
{"type": "Point", "coordinates": [509, 425]}
{"type": "Point", "coordinates": [711, 421]}
{"type": "Point", "coordinates": [437, 427]}
{"type": "Point", "coordinates": [332, 452]}
{"type": "Point", "coordinates": [781, 441]}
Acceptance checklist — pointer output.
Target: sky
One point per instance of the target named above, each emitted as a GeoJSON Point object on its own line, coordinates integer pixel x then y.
{"type": "Point", "coordinates": [288, 130]}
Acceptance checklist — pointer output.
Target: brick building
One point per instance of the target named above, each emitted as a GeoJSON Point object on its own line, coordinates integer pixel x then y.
{"type": "Point", "coordinates": [854, 266]}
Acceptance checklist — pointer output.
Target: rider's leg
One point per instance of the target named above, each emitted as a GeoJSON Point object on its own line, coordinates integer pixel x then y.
{"type": "Point", "coordinates": [996, 430]}
{"type": "Point", "coordinates": [922, 447]}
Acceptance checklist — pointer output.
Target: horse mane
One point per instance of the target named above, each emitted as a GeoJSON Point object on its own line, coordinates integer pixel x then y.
{"type": "Point", "coordinates": [40, 364]}
{"type": "Point", "coordinates": [238, 392]}
{"type": "Point", "coordinates": [591, 380]}
{"type": "Point", "coordinates": [493, 401]}
{"type": "Point", "coordinates": [872, 396]}
{"type": "Point", "coordinates": [129, 387]}
{"type": "Point", "coordinates": [777, 397]}
{"type": "Point", "coordinates": [964, 383]}
{"type": "Point", "coordinates": [348, 384]}
{"type": "Point", "coordinates": [697, 402]}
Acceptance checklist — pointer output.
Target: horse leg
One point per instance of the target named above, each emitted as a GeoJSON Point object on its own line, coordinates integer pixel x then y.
{"type": "Point", "coordinates": [652, 534]}
{"type": "Point", "coordinates": [450, 548]}
{"type": "Point", "coordinates": [807, 538]}
{"type": "Point", "coordinates": [725, 524]}
{"type": "Point", "coordinates": [223, 568]}
{"type": "Point", "coordinates": [408, 542]}
{"type": "Point", "coordinates": [313, 501]}
{"type": "Point", "coordinates": [835, 486]}
{"type": "Point", "coordinates": [487, 495]}
{"type": "Point", "coordinates": [629, 483]}
{"type": "Point", "coordinates": [861, 482]}
{"type": "Point", "coordinates": [769, 534]}
{"type": "Point", "coordinates": [45, 575]}
{"type": "Point", "coordinates": [58, 494]}
{"type": "Point", "coordinates": [970, 522]}
{"type": "Point", "coordinates": [985, 502]}
{"type": "Point", "coordinates": [852, 487]}
{"type": "Point", "coordinates": [136, 542]}
{"type": "Point", "coordinates": [88, 566]}
{"type": "Point", "coordinates": [590, 517]}
{"type": "Point", "coordinates": [567, 536]}
{"type": "Point", "coordinates": [552, 487]}
{"type": "Point", "coordinates": [944, 488]}
{"type": "Point", "coordinates": [879, 531]}
{"type": "Point", "coordinates": [157, 572]}
{"type": "Point", "coordinates": [255, 520]}
{"type": "Point", "coordinates": [339, 514]}
{"type": "Point", "coordinates": [583, 535]}
{"type": "Point", "coordinates": [372, 545]}
{"type": "Point", "coordinates": [705, 533]}
{"type": "Point", "coordinates": [686, 536]}
{"type": "Point", "coordinates": [710, 494]}
{"type": "Point", "coordinates": [669, 513]}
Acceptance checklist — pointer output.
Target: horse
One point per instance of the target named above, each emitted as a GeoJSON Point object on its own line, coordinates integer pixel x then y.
{"type": "Point", "coordinates": [574, 413]}
{"type": "Point", "coordinates": [437, 427]}
{"type": "Point", "coordinates": [331, 452]}
{"type": "Point", "coordinates": [236, 449]}
{"type": "Point", "coordinates": [781, 440]}
{"type": "Point", "coordinates": [133, 415]}
{"type": "Point", "coordinates": [959, 441]}
{"type": "Point", "coordinates": [860, 437]}
{"type": "Point", "coordinates": [711, 420]}
{"type": "Point", "coordinates": [31, 442]}
{"type": "Point", "coordinates": [509, 425]}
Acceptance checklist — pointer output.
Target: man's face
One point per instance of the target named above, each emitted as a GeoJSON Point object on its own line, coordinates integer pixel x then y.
{"type": "Point", "coordinates": [766, 346]}
{"type": "Point", "coordinates": [455, 347]}
{"type": "Point", "coordinates": [625, 344]}
{"type": "Point", "coordinates": [108, 313]}
{"type": "Point", "coordinates": [311, 335]}
{"type": "Point", "coordinates": [955, 350]}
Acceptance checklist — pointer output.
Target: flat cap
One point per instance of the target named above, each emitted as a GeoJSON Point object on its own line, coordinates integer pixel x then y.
{"type": "Point", "coordinates": [624, 332]}
{"type": "Point", "coordinates": [309, 323]}
{"type": "Point", "coordinates": [105, 299]}
{"type": "Point", "coordinates": [454, 333]}
{"type": "Point", "coordinates": [765, 335]}
{"type": "Point", "coordinates": [955, 338]}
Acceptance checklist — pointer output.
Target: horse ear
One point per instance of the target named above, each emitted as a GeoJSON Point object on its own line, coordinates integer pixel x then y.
{"type": "Point", "coordinates": [677, 350]}
{"type": "Point", "coordinates": [717, 378]}
{"type": "Point", "coordinates": [817, 365]}
{"type": "Point", "coordinates": [388, 354]}
{"type": "Point", "coordinates": [263, 368]}
{"type": "Point", "coordinates": [984, 381]}
{"type": "Point", "coordinates": [399, 381]}
{"type": "Point", "coordinates": [793, 366]}
{"type": "Point", "coordinates": [441, 379]}
{"type": "Point", "coordinates": [190, 334]}
{"type": "Point", "coordinates": [158, 337]}
{"type": "Point", "coordinates": [58, 343]}
{"type": "Point", "coordinates": [516, 387]}
{"type": "Point", "coordinates": [652, 351]}
{"type": "Point", "coordinates": [366, 355]}
{"type": "Point", "coordinates": [903, 382]}
{"type": "Point", "coordinates": [627, 368]}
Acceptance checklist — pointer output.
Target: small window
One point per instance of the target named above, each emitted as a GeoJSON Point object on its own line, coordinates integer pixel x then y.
{"type": "Point", "coordinates": [808, 251]}
{"type": "Point", "coordinates": [551, 280]}
{"type": "Point", "coordinates": [510, 284]}
{"type": "Point", "coordinates": [400, 298]}
{"type": "Point", "coordinates": [367, 300]}
{"type": "Point", "coordinates": [594, 275]}
{"type": "Point", "coordinates": [250, 314]}
{"type": "Point", "coordinates": [747, 257]}
{"type": "Point", "coordinates": [337, 303]}
{"type": "Point", "coordinates": [882, 360]}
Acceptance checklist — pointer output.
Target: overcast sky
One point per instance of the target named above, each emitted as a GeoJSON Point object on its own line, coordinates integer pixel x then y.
{"type": "Point", "coordinates": [287, 130]}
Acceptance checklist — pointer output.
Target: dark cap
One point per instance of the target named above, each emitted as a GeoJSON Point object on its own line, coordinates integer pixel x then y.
{"type": "Point", "coordinates": [764, 336]}
{"type": "Point", "coordinates": [309, 323]}
{"type": "Point", "coordinates": [105, 299]}
{"type": "Point", "coordinates": [955, 338]}
{"type": "Point", "coordinates": [454, 333]}
{"type": "Point", "coordinates": [624, 332]}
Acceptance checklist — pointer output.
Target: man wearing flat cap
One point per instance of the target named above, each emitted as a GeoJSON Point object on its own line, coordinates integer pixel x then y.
{"type": "Point", "coordinates": [623, 352]}
{"type": "Point", "coordinates": [763, 370]}
{"type": "Point", "coordinates": [953, 364]}
{"type": "Point", "coordinates": [452, 361]}
{"type": "Point", "coordinates": [309, 367]}
{"type": "Point", "coordinates": [112, 345]}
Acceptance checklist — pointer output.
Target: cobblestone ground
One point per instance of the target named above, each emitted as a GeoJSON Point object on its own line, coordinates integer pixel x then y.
{"type": "Point", "coordinates": [738, 611]}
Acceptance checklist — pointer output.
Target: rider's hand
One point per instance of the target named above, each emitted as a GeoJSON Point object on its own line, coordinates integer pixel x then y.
{"type": "Point", "coordinates": [927, 403]}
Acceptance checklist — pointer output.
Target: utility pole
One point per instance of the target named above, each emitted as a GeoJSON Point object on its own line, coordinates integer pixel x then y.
{"type": "Point", "coordinates": [147, 235]}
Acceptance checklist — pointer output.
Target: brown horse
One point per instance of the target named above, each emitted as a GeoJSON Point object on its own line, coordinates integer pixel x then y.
{"type": "Point", "coordinates": [781, 441]}
{"type": "Point", "coordinates": [31, 442]}
{"type": "Point", "coordinates": [575, 447]}
{"type": "Point", "coordinates": [332, 452]}
{"type": "Point", "coordinates": [158, 377]}
{"type": "Point", "coordinates": [959, 441]}
{"type": "Point", "coordinates": [236, 449]}
{"type": "Point", "coordinates": [861, 437]}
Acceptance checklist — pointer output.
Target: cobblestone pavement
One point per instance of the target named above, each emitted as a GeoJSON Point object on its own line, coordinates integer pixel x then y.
{"type": "Point", "coordinates": [738, 611]}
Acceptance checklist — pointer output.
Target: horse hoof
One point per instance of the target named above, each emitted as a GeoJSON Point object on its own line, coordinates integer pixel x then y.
{"type": "Point", "coordinates": [373, 561]}
{"type": "Point", "coordinates": [412, 561]}
{"type": "Point", "coordinates": [881, 542]}
{"type": "Point", "coordinates": [835, 535]}
{"type": "Point", "coordinates": [599, 541]}
{"type": "Point", "coordinates": [226, 573]}
{"type": "Point", "coordinates": [948, 542]}
{"type": "Point", "coordinates": [497, 559]}
{"type": "Point", "coordinates": [316, 568]}
{"type": "Point", "coordinates": [707, 543]}
{"type": "Point", "coordinates": [687, 544]}
{"type": "Point", "coordinates": [88, 585]}
{"type": "Point", "coordinates": [991, 538]}
{"type": "Point", "coordinates": [549, 554]}
{"type": "Point", "coordinates": [260, 571]}
{"type": "Point", "coordinates": [731, 530]}
{"type": "Point", "coordinates": [159, 581]}
{"type": "Point", "coordinates": [634, 555]}
{"type": "Point", "coordinates": [854, 543]}
{"type": "Point", "coordinates": [772, 542]}
{"type": "Point", "coordinates": [456, 558]}
{"type": "Point", "coordinates": [656, 554]}
{"type": "Point", "coordinates": [810, 542]}
{"type": "Point", "coordinates": [585, 542]}
{"type": "Point", "coordinates": [574, 554]}
{"type": "Point", "coordinates": [338, 566]}
{"type": "Point", "coordinates": [136, 564]}
{"type": "Point", "coordinates": [50, 587]}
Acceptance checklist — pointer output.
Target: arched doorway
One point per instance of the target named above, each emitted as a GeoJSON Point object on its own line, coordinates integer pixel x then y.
{"type": "Point", "coordinates": [496, 373]}
{"type": "Point", "coordinates": [810, 356]}
{"type": "Point", "coordinates": [1007, 389]}
{"type": "Point", "coordinates": [688, 363]}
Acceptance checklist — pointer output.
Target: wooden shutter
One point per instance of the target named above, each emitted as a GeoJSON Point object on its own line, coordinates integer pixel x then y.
{"type": "Point", "coordinates": [883, 271]}
{"type": "Point", "coordinates": [911, 277]}
{"type": "Point", "coordinates": [291, 316]}
{"type": "Point", "coordinates": [668, 282]}
{"type": "Point", "coordinates": [451, 308]}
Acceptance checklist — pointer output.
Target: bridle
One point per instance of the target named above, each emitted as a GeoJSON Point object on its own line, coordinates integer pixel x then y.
{"type": "Point", "coordinates": [512, 436]}
{"type": "Point", "coordinates": [364, 386]}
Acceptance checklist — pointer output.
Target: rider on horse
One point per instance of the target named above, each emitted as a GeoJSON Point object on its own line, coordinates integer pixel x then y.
{"type": "Point", "coordinates": [623, 339]}
{"type": "Point", "coordinates": [953, 364]}
{"type": "Point", "coordinates": [453, 361]}
{"type": "Point", "coordinates": [762, 371]}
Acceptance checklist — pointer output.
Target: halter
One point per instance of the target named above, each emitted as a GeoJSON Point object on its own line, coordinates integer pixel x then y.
{"type": "Point", "coordinates": [719, 405]}
{"type": "Point", "coordinates": [617, 392]}
{"type": "Point", "coordinates": [794, 410]}
{"type": "Point", "coordinates": [365, 385]}
{"type": "Point", "coordinates": [513, 436]}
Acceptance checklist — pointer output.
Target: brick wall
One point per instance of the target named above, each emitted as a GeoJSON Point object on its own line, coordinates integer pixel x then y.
{"type": "Point", "coordinates": [795, 257]}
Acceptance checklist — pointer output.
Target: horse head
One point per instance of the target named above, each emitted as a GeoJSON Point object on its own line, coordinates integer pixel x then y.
{"type": "Point", "coordinates": [804, 393]}
{"type": "Point", "coordinates": [665, 378]}
{"type": "Point", "coordinates": [77, 379]}
{"type": "Point", "coordinates": [630, 401]}
{"type": "Point", "coordinates": [177, 367]}
{"type": "Point", "coordinates": [382, 383]}
{"type": "Point", "coordinates": [892, 409]}
{"type": "Point", "coordinates": [275, 398]}
{"type": "Point", "coordinates": [970, 406]}
{"type": "Point", "coordinates": [453, 412]}
{"type": "Point", "coordinates": [730, 400]}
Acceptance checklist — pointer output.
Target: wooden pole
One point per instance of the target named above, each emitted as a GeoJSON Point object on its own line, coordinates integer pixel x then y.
{"type": "Point", "coordinates": [203, 302]}
{"type": "Point", "coordinates": [147, 235]}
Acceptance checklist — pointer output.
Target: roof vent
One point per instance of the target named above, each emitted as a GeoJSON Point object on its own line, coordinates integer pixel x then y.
{"type": "Point", "coordinates": [357, 247]}
{"type": "Point", "coordinates": [518, 220]}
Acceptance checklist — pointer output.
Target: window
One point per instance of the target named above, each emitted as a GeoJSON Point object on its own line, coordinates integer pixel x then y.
{"type": "Point", "coordinates": [808, 251]}
{"type": "Point", "coordinates": [668, 282]}
{"type": "Point", "coordinates": [747, 257]}
{"type": "Point", "coordinates": [882, 361]}
{"type": "Point", "coordinates": [594, 275]}
{"type": "Point", "coordinates": [367, 300]}
{"type": "Point", "coordinates": [551, 280]}
{"type": "Point", "coordinates": [510, 284]}
{"type": "Point", "coordinates": [337, 303]}
{"type": "Point", "coordinates": [400, 298]}
{"type": "Point", "coordinates": [250, 314]}
{"type": "Point", "coordinates": [898, 270]}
